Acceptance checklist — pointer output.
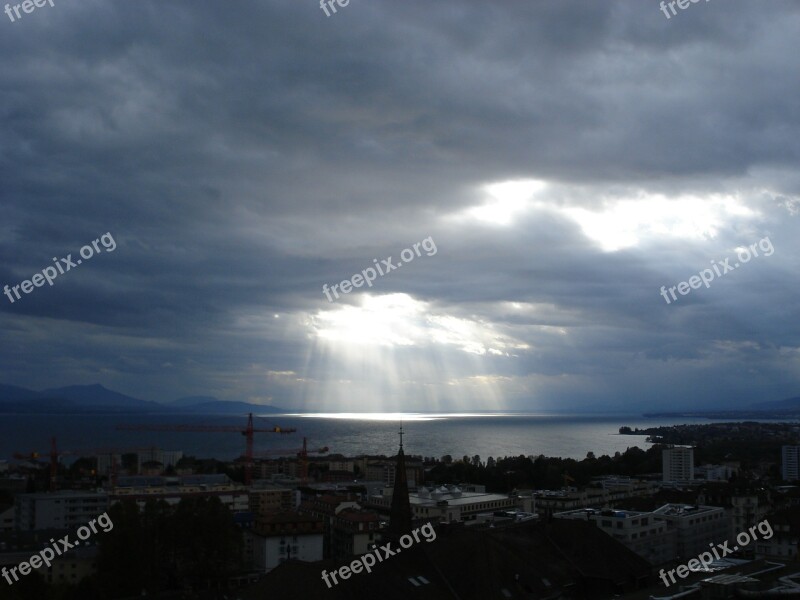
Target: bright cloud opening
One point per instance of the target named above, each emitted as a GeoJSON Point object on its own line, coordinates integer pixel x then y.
{"type": "Point", "coordinates": [508, 200]}
{"type": "Point", "coordinates": [623, 224]}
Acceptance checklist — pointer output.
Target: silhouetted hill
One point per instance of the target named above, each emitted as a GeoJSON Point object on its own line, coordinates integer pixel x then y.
{"type": "Point", "coordinates": [791, 404]}
{"type": "Point", "coordinates": [96, 398]}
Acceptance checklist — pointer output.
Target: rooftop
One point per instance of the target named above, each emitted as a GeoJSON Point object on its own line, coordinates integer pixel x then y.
{"type": "Point", "coordinates": [453, 495]}
{"type": "Point", "coordinates": [678, 510]}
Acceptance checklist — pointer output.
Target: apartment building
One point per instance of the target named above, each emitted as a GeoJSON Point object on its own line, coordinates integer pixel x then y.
{"type": "Point", "coordinates": [783, 544]}
{"type": "Point", "coordinates": [266, 499]}
{"type": "Point", "coordinates": [172, 489]}
{"type": "Point", "coordinates": [650, 536]}
{"type": "Point", "coordinates": [353, 532]}
{"type": "Point", "coordinates": [790, 463]}
{"type": "Point", "coordinates": [58, 510]}
{"type": "Point", "coordinates": [385, 471]}
{"type": "Point", "coordinates": [284, 536]}
{"type": "Point", "coordinates": [678, 464]}
{"type": "Point", "coordinates": [697, 526]}
{"type": "Point", "coordinates": [611, 491]}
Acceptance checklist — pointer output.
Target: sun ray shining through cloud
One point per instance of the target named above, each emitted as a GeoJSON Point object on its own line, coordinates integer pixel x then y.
{"type": "Point", "coordinates": [394, 348]}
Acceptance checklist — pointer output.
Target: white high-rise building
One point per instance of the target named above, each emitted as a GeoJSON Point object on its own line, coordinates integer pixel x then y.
{"type": "Point", "coordinates": [678, 464]}
{"type": "Point", "coordinates": [790, 463]}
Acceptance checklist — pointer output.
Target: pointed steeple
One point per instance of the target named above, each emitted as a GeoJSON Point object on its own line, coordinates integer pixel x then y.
{"type": "Point", "coordinates": [400, 515]}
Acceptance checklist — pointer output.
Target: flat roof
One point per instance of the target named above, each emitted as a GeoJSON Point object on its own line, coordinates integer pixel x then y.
{"type": "Point", "coordinates": [676, 510]}
{"type": "Point", "coordinates": [597, 512]}
{"type": "Point", "coordinates": [461, 500]}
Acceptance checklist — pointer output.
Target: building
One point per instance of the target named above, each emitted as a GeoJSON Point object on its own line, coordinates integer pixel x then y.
{"type": "Point", "coordinates": [783, 543]}
{"type": "Point", "coordinates": [746, 506]}
{"type": "Point", "coordinates": [697, 526]}
{"type": "Point", "coordinates": [612, 491]}
{"type": "Point", "coordinates": [790, 463]}
{"type": "Point", "coordinates": [285, 467]}
{"type": "Point", "coordinates": [341, 465]}
{"type": "Point", "coordinates": [283, 536]}
{"type": "Point", "coordinates": [558, 559]}
{"type": "Point", "coordinates": [325, 508]}
{"type": "Point", "coordinates": [715, 472]}
{"type": "Point", "coordinates": [173, 489]}
{"type": "Point", "coordinates": [7, 518]}
{"type": "Point", "coordinates": [71, 567]}
{"type": "Point", "coordinates": [167, 458]}
{"type": "Point", "coordinates": [678, 464]}
{"type": "Point", "coordinates": [747, 510]}
{"type": "Point", "coordinates": [58, 510]}
{"type": "Point", "coordinates": [447, 504]}
{"type": "Point", "coordinates": [266, 499]}
{"type": "Point", "coordinates": [386, 471]}
{"type": "Point", "coordinates": [648, 535]}
{"type": "Point", "coordinates": [109, 464]}
{"type": "Point", "coordinates": [353, 532]}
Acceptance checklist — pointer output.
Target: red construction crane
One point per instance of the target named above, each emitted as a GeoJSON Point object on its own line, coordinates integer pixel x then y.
{"type": "Point", "coordinates": [55, 454]}
{"type": "Point", "coordinates": [302, 454]}
{"type": "Point", "coordinates": [248, 432]}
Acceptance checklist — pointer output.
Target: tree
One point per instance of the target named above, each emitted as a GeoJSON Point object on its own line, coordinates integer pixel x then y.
{"type": "Point", "coordinates": [194, 545]}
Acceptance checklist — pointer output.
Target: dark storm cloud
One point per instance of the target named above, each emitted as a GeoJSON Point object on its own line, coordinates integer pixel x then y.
{"type": "Point", "coordinates": [244, 154]}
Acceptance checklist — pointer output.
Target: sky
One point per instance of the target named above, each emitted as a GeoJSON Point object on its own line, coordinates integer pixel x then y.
{"type": "Point", "coordinates": [556, 162]}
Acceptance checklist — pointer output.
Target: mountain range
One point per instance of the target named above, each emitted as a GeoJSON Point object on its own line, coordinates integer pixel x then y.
{"type": "Point", "coordinates": [778, 409]}
{"type": "Point", "coordinates": [96, 398]}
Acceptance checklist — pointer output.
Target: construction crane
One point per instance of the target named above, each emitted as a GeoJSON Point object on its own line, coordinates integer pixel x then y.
{"type": "Point", "coordinates": [248, 432]}
{"type": "Point", "coordinates": [55, 454]}
{"type": "Point", "coordinates": [301, 453]}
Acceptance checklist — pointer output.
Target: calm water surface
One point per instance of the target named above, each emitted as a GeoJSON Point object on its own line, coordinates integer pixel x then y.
{"type": "Point", "coordinates": [427, 435]}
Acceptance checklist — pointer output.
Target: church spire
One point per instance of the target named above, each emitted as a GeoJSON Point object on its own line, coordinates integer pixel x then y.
{"type": "Point", "coordinates": [400, 515]}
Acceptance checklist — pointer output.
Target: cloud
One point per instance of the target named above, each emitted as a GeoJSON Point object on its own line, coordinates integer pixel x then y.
{"type": "Point", "coordinates": [568, 158]}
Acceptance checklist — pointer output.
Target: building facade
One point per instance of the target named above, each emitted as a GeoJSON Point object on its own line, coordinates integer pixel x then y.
{"type": "Point", "coordinates": [60, 510]}
{"type": "Point", "coordinates": [790, 463]}
{"type": "Point", "coordinates": [648, 535]}
{"type": "Point", "coordinates": [697, 526]}
{"type": "Point", "coordinates": [284, 536]}
{"type": "Point", "coordinates": [678, 464]}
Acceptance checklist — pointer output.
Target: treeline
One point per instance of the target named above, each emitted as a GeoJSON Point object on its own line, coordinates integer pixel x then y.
{"type": "Point", "coordinates": [507, 473]}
